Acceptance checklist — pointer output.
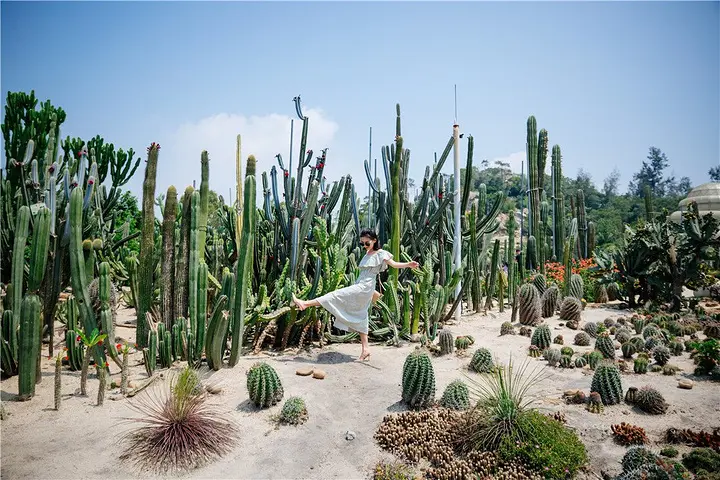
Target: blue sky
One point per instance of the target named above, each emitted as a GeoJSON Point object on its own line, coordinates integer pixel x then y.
{"type": "Point", "coordinates": [607, 80]}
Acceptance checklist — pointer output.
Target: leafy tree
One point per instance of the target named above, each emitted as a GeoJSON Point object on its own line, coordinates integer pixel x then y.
{"type": "Point", "coordinates": [651, 174]}
{"type": "Point", "coordinates": [610, 184]}
{"type": "Point", "coordinates": [128, 218]}
{"type": "Point", "coordinates": [714, 173]}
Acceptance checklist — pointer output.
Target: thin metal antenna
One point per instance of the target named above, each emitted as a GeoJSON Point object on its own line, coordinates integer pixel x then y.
{"type": "Point", "coordinates": [455, 103]}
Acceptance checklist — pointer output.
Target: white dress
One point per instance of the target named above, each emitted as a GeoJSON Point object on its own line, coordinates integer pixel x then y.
{"type": "Point", "coordinates": [350, 305]}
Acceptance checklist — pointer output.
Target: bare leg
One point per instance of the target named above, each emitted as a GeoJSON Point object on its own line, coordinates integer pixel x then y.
{"type": "Point", "coordinates": [376, 296]}
{"type": "Point", "coordinates": [365, 354]}
{"type": "Point", "coordinates": [303, 304]}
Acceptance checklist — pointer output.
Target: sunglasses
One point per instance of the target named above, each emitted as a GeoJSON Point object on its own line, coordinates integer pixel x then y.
{"type": "Point", "coordinates": [365, 244]}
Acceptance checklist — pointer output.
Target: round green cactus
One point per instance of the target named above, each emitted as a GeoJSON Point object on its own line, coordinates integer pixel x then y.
{"type": "Point", "coordinates": [640, 365]}
{"type": "Point", "coordinates": [541, 337]}
{"type": "Point", "coordinates": [264, 386]}
{"type": "Point", "coordinates": [661, 354]}
{"type": "Point", "coordinates": [566, 361]}
{"type": "Point", "coordinates": [650, 401]}
{"type": "Point", "coordinates": [570, 309]}
{"type": "Point", "coordinates": [606, 381]}
{"type": "Point", "coordinates": [294, 411]}
{"type": "Point", "coordinates": [604, 344]}
{"type": "Point", "coordinates": [445, 339]}
{"type": "Point", "coordinates": [628, 349]}
{"type": "Point", "coordinates": [582, 339]}
{"type": "Point", "coordinates": [507, 329]}
{"type": "Point", "coordinates": [418, 381]}
{"type": "Point", "coordinates": [580, 362]}
{"type": "Point", "coordinates": [482, 361]}
{"type": "Point", "coordinates": [456, 396]}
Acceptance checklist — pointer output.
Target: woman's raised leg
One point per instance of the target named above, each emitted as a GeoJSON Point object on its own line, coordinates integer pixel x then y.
{"type": "Point", "coordinates": [365, 353]}
{"type": "Point", "coordinates": [303, 304]}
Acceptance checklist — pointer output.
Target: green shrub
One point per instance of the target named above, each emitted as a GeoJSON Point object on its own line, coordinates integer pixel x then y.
{"type": "Point", "coordinates": [702, 459]}
{"type": "Point", "coordinates": [670, 452]}
{"type": "Point", "coordinates": [549, 444]}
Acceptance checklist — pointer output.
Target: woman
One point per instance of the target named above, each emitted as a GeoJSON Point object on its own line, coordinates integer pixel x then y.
{"type": "Point", "coordinates": [350, 305]}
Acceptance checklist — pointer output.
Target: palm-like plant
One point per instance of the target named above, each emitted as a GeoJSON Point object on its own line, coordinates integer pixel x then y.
{"type": "Point", "coordinates": [503, 396]}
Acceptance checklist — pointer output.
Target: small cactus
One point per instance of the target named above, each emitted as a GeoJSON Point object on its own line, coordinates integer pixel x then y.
{"type": "Point", "coordinates": [605, 345]}
{"type": "Point", "coordinates": [601, 294]}
{"type": "Point", "coordinates": [638, 342]}
{"type": "Point", "coordinates": [570, 309]}
{"type": "Point", "coordinates": [606, 381]}
{"type": "Point", "coordinates": [609, 322]}
{"type": "Point", "coordinates": [623, 335]}
{"type": "Point", "coordinates": [534, 351]}
{"type": "Point", "coordinates": [582, 339]}
{"type": "Point", "coordinates": [661, 354]}
{"type": "Point", "coordinates": [591, 329]}
{"type": "Point", "coordinates": [263, 385]}
{"type": "Point", "coordinates": [553, 356]}
{"type": "Point", "coordinates": [525, 331]}
{"type": "Point", "coordinates": [507, 329]}
{"type": "Point", "coordinates": [294, 411]}
{"type": "Point", "coordinates": [628, 349]}
{"type": "Point", "coordinates": [445, 339]}
{"type": "Point", "coordinates": [631, 395]}
{"type": "Point", "coordinates": [650, 401]}
{"type": "Point", "coordinates": [594, 358]}
{"type": "Point", "coordinates": [559, 340]}
{"type": "Point", "coordinates": [482, 361]}
{"type": "Point", "coordinates": [456, 396]}
{"type": "Point", "coordinates": [463, 342]}
{"type": "Point", "coordinates": [636, 457]}
{"type": "Point", "coordinates": [580, 362]}
{"type": "Point", "coordinates": [541, 337]}
{"type": "Point", "coordinates": [566, 361]}
{"type": "Point", "coordinates": [651, 330]}
{"type": "Point", "coordinates": [567, 351]}
{"type": "Point", "coordinates": [676, 348]}
{"type": "Point", "coordinates": [640, 366]}
{"type": "Point", "coordinates": [639, 324]}
{"type": "Point", "coordinates": [595, 404]}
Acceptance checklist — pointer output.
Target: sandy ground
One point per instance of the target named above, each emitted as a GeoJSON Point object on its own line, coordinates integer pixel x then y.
{"type": "Point", "coordinates": [81, 440]}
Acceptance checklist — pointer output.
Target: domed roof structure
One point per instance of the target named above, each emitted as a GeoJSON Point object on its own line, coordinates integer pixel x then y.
{"type": "Point", "coordinates": [707, 197]}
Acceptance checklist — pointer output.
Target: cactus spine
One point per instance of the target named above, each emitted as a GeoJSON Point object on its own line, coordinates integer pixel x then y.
{"type": "Point", "coordinates": [147, 246]}
{"type": "Point", "coordinates": [245, 261]}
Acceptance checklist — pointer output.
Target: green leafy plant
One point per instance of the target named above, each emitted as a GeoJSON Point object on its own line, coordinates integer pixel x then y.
{"type": "Point", "coordinates": [90, 342]}
{"type": "Point", "coordinates": [706, 355]}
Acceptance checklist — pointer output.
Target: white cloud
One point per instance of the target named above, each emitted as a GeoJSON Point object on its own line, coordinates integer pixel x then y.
{"type": "Point", "coordinates": [515, 160]}
{"type": "Point", "coordinates": [262, 136]}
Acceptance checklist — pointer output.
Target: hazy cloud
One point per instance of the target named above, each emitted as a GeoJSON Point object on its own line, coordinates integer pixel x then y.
{"type": "Point", "coordinates": [514, 159]}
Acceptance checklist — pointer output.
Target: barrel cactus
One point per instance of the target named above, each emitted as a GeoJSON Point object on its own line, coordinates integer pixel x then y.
{"type": "Point", "coordinates": [570, 309]}
{"type": "Point", "coordinates": [582, 339]}
{"type": "Point", "coordinates": [534, 351]}
{"type": "Point", "coordinates": [294, 411]}
{"type": "Point", "coordinates": [541, 337]}
{"type": "Point", "coordinates": [595, 404]}
{"type": "Point", "coordinates": [604, 344]}
{"type": "Point", "coordinates": [638, 342]}
{"type": "Point", "coordinates": [636, 457]}
{"type": "Point", "coordinates": [623, 335]}
{"type": "Point", "coordinates": [613, 291]}
{"type": "Point", "coordinates": [606, 381]}
{"type": "Point", "coordinates": [676, 347]}
{"type": "Point", "coordinates": [580, 362]}
{"type": "Point", "coordinates": [577, 286]}
{"type": "Point", "coordinates": [640, 365]}
{"type": "Point", "coordinates": [594, 359]}
{"type": "Point", "coordinates": [651, 330]}
{"type": "Point", "coordinates": [591, 329]}
{"type": "Point", "coordinates": [482, 361]}
{"type": "Point", "coordinates": [559, 340]}
{"type": "Point", "coordinates": [463, 342]}
{"type": "Point", "coordinates": [553, 356]}
{"type": "Point", "coordinates": [567, 351]}
{"type": "Point", "coordinates": [628, 349]}
{"type": "Point", "coordinates": [650, 401]}
{"type": "Point", "coordinates": [456, 396]}
{"type": "Point", "coordinates": [507, 329]}
{"type": "Point", "coordinates": [550, 300]}
{"type": "Point", "coordinates": [712, 330]}
{"type": "Point", "coordinates": [418, 382]}
{"type": "Point", "coordinates": [529, 310]}
{"type": "Point", "coordinates": [445, 339]}
{"type": "Point", "coordinates": [601, 294]}
{"type": "Point", "coordinates": [639, 325]}
{"type": "Point", "coordinates": [540, 283]}
{"type": "Point", "coordinates": [566, 362]}
{"type": "Point", "coordinates": [263, 385]}
{"type": "Point", "coordinates": [661, 354]}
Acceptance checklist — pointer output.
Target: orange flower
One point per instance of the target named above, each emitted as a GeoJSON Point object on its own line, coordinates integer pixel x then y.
{"type": "Point", "coordinates": [100, 342]}
{"type": "Point", "coordinates": [107, 364]}
{"type": "Point", "coordinates": [66, 358]}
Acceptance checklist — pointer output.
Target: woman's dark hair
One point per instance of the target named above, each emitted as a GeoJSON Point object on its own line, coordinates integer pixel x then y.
{"type": "Point", "coordinates": [372, 236]}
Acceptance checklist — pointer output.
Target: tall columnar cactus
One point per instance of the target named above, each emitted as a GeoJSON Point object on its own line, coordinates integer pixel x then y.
{"type": "Point", "coordinates": [558, 203]}
{"type": "Point", "coordinates": [395, 176]}
{"type": "Point", "coordinates": [418, 382]}
{"type": "Point", "coordinates": [204, 202]}
{"type": "Point", "coordinates": [591, 239]}
{"type": "Point", "coordinates": [569, 248]}
{"type": "Point", "coordinates": [529, 305]}
{"type": "Point", "coordinates": [146, 265]}
{"type": "Point", "coordinates": [511, 226]}
{"type": "Point", "coordinates": [107, 325]}
{"type": "Point", "coordinates": [168, 279]}
{"type": "Point", "coordinates": [534, 183]}
{"type": "Point", "coordinates": [245, 261]}
{"type": "Point", "coordinates": [493, 274]}
{"type": "Point", "coordinates": [582, 224]}
{"type": "Point", "coordinates": [78, 277]}
{"type": "Point", "coordinates": [532, 253]}
{"type": "Point", "coordinates": [182, 268]}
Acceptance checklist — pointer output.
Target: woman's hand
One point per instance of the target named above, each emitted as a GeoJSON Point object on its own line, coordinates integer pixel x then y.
{"type": "Point", "coordinates": [413, 264]}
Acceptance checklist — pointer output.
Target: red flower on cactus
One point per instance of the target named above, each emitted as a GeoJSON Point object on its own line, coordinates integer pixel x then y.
{"type": "Point", "coordinates": [51, 168]}
{"type": "Point", "coordinates": [440, 195]}
{"type": "Point", "coordinates": [286, 173]}
{"type": "Point", "coordinates": [152, 146]}
{"type": "Point", "coordinates": [100, 342]}
{"type": "Point", "coordinates": [78, 338]}
{"type": "Point", "coordinates": [118, 346]}
{"type": "Point", "coordinates": [107, 364]}
{"type": "Point", "coordinates": [66, 357]}
{"type": "Point", "coordinates": [321, 165]}
{"type": "Point", "coordinates": [80, 154]}
{"type": "Point", "coordinates": [91, 181]}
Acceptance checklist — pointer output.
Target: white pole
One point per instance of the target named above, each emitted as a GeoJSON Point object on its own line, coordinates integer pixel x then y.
{"type": "Point", "coordinates": [457, 241]}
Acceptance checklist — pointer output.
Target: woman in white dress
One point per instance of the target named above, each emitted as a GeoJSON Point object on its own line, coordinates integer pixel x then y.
{"type": "Point", "coordinates": [350, 305]}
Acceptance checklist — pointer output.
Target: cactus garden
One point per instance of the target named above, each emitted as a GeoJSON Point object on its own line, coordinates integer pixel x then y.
{"type": "Point", "coordinates": [160, 335]}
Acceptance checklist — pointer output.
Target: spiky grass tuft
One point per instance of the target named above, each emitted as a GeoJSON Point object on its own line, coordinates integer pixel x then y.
{"type": "Point", "coordinates": [178, 429]}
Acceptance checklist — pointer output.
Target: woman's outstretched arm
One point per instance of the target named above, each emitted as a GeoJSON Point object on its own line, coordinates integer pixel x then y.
{"type": "Point", "coordinates": [394, 264]}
